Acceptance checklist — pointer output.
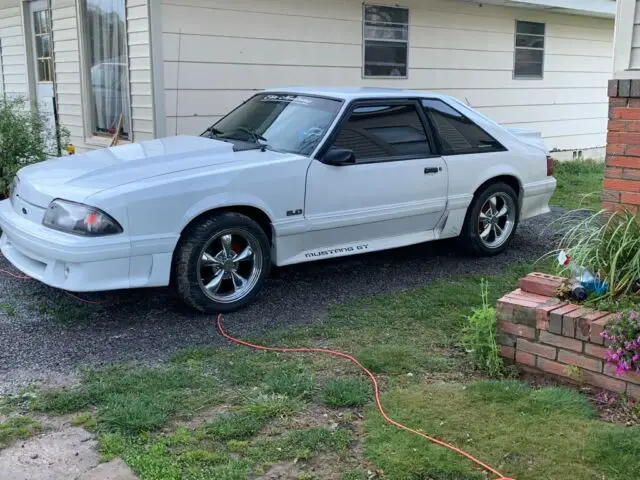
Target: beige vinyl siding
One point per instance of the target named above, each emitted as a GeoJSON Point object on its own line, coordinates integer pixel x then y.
{"type": "Point", "coordinates": [13, 58]}
{"type": "Point", "coordinates": [232, 48]}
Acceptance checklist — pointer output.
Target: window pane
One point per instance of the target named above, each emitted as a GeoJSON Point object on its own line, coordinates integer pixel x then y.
{"type": "Point", "coordinates": [530, 27]}
{"type": "Point", "coordinates": [382, 132]}
{"type": "Point", "coordinates": [529, 69]}
{"type": "Point", "coordinates": [386, 31]}
{"type": "Point", "coordinates": [105, 26]}
{"type": "Point", "coordinates": [385, 59]}
{"type": "Point", "coordinates": [526, 56]}
{"type": "Point", "coordinates": [529, 41]}
{"type": "Point", "coordinates": [386, 14]}
{"type": "Point", "coordinates": [43, 48]}
{"type": "Point", "coordinates": [458, 134]}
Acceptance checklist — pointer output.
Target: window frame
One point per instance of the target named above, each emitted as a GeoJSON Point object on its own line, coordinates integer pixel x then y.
{"type": "Point", "coordinates": [372, 102]}
{"type": "Point", "coordinates": [91, 137]}
{"type": "Point", "coordinates": [364, 41]}
{"type": "Point", "coordinates": [428, 114]}
{"type": "Point", "coordinates": [515, 50]}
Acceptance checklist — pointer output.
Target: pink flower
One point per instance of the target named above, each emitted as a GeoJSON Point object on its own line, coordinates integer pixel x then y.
{"type": "Point", "coordinates": [636, 357]}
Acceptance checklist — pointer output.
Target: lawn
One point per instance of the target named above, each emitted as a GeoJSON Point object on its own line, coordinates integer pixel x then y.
{"type": "Point", "coordinates": [579, 184]}
{"type": "Point", "coordinates": [230, 413]}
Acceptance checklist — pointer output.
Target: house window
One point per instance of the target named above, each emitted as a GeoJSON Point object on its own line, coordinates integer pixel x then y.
{"type": "Point", "coordinates": [105, 51]}
{"type": "Point", "coordinates": [386, 41]}
{"type": "Point", "coordinates": [529, 56]}
{"type": "Point", "coordinates": [42, 36]}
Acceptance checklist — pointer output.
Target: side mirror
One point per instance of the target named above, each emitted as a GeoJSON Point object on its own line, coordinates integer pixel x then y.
{"type": "Point", "coordinates": [339, 156]}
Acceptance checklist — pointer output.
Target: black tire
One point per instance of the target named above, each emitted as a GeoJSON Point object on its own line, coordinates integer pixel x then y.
{"type": "Point", "coordinates": [470, 239]}
{"type": "Point", "coordinates": [186, 268]}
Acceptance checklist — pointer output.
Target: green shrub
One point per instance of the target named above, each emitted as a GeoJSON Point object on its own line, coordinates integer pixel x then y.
{"type": "Point", "coordinates": [23, 139]}
{"type": "Point", "coordinates": [346, 392]}
{"type": "Point", "coordinates": [608, 245]}
{"type": "Point", "coordinates": [479, 337]}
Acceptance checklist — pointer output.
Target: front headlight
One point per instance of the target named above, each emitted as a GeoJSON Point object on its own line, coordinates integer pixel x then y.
{"type": "Point", "coordinates": [79, 219]}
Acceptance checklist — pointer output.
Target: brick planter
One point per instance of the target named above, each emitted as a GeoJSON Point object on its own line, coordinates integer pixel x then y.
{"type": "Point", "coordinates": [540, 332]}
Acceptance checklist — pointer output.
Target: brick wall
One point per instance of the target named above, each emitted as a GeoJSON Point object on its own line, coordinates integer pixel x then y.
{"type": "Point", "coordinates": [540, 332]}
{"type": "Point", "coordinates": [622, 175]}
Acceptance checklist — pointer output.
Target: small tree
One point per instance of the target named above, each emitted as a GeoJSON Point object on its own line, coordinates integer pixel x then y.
{"type": "Point", "coordinates": [25, 137]}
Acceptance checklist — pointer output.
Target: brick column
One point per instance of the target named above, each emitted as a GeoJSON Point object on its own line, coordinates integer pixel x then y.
{"type": "Point", "coordinates": [622, 175]}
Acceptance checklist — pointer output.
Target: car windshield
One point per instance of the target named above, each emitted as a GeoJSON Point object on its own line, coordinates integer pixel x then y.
{"type": "Point", "coordinates": [281, 122]}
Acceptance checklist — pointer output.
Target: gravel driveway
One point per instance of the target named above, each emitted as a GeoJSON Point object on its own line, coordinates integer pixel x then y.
{"type": "Point", "coordinates": [45, 335]}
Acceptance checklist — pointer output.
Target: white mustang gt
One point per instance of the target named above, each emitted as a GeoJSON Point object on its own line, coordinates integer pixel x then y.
{"type": "Point", "coordinates": [291, 175]}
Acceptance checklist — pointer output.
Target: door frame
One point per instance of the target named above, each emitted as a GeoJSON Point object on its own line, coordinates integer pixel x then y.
{"type": "Point", "coordinates": [30, 50]}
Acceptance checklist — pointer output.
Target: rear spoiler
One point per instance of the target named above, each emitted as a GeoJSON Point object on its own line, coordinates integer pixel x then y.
{"type": "Point", "coordinates": [530, 137]}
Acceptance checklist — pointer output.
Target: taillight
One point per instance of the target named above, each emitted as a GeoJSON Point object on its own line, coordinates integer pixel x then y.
{"type": "Point", "coordinates": [549, 166]}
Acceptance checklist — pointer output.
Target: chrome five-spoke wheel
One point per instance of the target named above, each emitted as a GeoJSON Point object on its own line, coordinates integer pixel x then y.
{"type": "Point", "coordinates": [496, 220]}
{"type": "Point", "coordinates": [230, 266]}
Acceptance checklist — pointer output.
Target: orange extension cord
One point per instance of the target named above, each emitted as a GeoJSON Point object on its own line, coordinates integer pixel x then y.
{"type": "Point", "coordinates": [374, 381]}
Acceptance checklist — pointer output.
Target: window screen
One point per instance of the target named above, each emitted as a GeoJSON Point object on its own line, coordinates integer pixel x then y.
{"type": "Point", "coordinates": [384, 131]}
{"type": "Point", "coordinates": [386, 41]}
{"type": "Point", "coordinates": [529, 55]}
{"type": "Point", "coordinates": [457, 133]}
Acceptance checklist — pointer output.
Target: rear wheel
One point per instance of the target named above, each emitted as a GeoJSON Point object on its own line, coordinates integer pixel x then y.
{"type": "Point", "coordinates": [491, 221]}
{"type": "Point", "coordinates": [221, 263]}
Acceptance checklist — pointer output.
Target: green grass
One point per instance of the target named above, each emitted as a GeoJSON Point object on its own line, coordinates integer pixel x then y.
{"type": "Point", "coordinates": [579, 184]}
{"type": "Point", "coordinates": [347, 392]}
{"type": "Point", "coordinates": [17, 427]}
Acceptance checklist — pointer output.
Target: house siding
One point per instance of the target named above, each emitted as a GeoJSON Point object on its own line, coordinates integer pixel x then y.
{"type": "Point", "coordinates": [218, 52]}
{"type": "Point", "coordinates": [635, 45]}
{"type": "Point", "coordinates": [13, 60]}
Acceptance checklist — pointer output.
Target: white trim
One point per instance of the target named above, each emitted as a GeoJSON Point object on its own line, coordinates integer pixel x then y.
{"type": "Point", "coordinates": [623, 37]}
{"type": "Point", "coordinates": [157, 68]}
{"type": "Point", "coordinates": [588, 8]}
{"type": "Point", "coordinates": [31, 74]}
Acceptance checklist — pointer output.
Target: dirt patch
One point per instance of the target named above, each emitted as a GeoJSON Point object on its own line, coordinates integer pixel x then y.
{"type": "Point", "coordinates": [59, 455]}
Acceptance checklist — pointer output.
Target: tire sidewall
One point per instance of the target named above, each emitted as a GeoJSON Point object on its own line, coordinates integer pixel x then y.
{"type": "Point", "coordinates": [190, 248]}
{"type": "Point", "coordinates": [472, 236]}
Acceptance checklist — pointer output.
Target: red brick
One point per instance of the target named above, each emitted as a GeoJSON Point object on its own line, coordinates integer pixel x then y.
{"type": "Point", "coordinates": [612, 90]}
{"type": "Point", "coordinates": [621, 185]}
{"type": "Point", "coordinates": [536, 349]}
{"type": "Point", "coordinates": [627, 113]}
{"type": "Point", "coordinates": [628, 150]}
{"type": "Point", "coordinates": [618, 207]}
{"type": "Point", "coordinates": [631, 173]}
{"type": "Point", "coordinates": [581, 361]}
{"type": "Point", "coordinates": [527, 296]}
{"type": "Point", "coordinates": [631, 198]}
{"type": "Point", "coordinates": [595, 350]}
{"type": "Point", "coordinates": [540, 284]}
{"type": "Point", "coordinates": [543, 312]}
{"type": "Point", "coordinates": [507, 352]}
{"type": "Point", "coordinates": [555, 317]}
{"type": "Point", "coordinates": [570, 321]}
{"type": "Point", "coordinates": [627, 138]}
{"type": "Point", "coordinates": [610, 195]}
{"type": "Point", "coordinates": [506, 339]}
{"type": "Point", "coordinates": [632, 377]}
{"type": "Point", "coordinates": [602, 381]}
{"type": "Point", "coordinates": [598, 327]}
{"type": "Point", "coordinates": [617, 126]}
{"type": "Point", "coordinates": [583, 328]}
{"type": "Point", "coordinates": [634, 102]}
{"type": "Point", "coordinates": [515, 329]}
{"type": "Point", "coordinates": [631, 126]}
{"type": "Point", "coordinates": [616, 149]}
{"type": "Point", "coordinates": [560, 341]}
{"type": "Point", "coordinates": [552, 367]}
{"type": "Point", "coordinates": [633, 391]}
{"type": "Point", "coordinates": [613, 172]}
{"type": "Point", "coordinates": [526, 359]}
{"type": "Point", "coordinates": [618, 102]}
{"type": "Point", "coordinates": [504, 311]}
{"type": "Point", "coordinates": [622, 161]}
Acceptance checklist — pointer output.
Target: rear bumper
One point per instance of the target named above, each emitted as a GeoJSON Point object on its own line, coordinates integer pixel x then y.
{"type": "Point", "coordinates": [536, 197]}
{"type": "Point", "coordinates": [80, 264]}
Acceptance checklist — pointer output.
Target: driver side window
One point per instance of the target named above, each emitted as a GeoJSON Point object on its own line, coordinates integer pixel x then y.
{"type": "Point", "coordinates": [379, 133]}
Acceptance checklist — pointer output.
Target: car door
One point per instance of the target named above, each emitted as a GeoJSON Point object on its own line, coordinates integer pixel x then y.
{"type": "Point", "coordinates": [394, 192]}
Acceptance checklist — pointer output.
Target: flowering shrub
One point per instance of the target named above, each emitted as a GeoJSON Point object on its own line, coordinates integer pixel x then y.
{"type": "Point", "coordinates": [624, 335]}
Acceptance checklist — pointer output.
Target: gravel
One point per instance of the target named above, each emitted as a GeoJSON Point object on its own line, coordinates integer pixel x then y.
{"type": "Point", "coordinates": [45, 334]}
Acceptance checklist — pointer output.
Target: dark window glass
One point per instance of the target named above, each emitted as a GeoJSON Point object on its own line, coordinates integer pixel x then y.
{"type": "Point", "coordinates": [383, 132]}
{"type": "Point", "coordinates": [458, 134]}
{"type": "Point", "coordinates": [529, 50]}
{"type": "Point", "coordinates": [386, 37]}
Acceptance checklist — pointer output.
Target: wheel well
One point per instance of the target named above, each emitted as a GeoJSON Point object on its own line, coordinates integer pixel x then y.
{"type": "Point", "coordinates": [253, 213]}
{"type": "Point", "coordinates": [508, 179]}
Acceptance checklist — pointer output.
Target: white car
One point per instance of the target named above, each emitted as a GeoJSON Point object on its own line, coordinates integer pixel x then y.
{"type": "Point", "coordinates": [290, 176]}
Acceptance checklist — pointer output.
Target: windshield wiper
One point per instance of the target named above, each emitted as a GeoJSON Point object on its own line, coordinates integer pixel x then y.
{"type": "Point", "coordinates": [254, 134]}
{"type": "Point", "coordinates": [213, 131]}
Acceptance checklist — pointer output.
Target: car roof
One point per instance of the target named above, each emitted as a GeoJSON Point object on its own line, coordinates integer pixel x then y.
{"type": "Point", "coordinates": [351, 93]}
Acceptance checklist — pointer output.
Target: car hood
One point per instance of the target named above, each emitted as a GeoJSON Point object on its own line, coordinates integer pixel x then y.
{"type": "Point", "coordinates": [79, 176]}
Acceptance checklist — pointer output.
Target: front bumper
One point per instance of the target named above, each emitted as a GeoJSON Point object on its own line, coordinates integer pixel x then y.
{"type": "Point", "coordinates": [71, 262]}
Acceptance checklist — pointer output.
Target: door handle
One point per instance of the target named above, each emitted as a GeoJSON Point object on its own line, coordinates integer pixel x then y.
{"type": "Point", "coordinates": [432, 170]}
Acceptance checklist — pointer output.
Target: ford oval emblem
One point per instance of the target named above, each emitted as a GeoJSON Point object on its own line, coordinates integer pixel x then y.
{"type": "Point", "coordinates": [24, 210]}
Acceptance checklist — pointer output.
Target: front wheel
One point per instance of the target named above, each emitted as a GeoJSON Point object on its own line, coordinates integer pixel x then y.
{"type": "Point", "coordinates": [491, 221]}
{"type": "Point", "coordinates": [221, 263]}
